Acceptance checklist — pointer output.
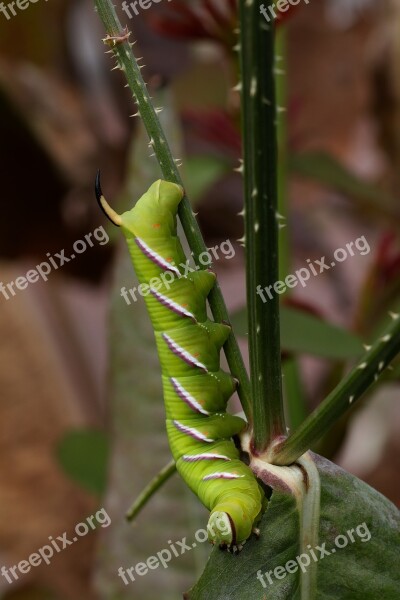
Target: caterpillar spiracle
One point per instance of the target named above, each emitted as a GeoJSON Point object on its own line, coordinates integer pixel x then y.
{"type": "Point", "coordinates": [196, 390]}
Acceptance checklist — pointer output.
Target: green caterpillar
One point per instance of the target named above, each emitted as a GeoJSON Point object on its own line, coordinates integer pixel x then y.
{"type": "Point", "coordinates": [196, 390]}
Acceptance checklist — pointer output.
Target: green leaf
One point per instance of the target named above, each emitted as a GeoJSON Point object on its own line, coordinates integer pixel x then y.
{"type": "Point", "coordinates": [363, 569]}
{"type": "Point", "coordinates": [304, 333]}
{"type": "Point", "coordinates": [234, 577]}
{"type": "Point", "coordinates": [327, 170]}
{"type": "Point", "coordinates": [83, 456]}
{"type": "Point", "coordinates": [201, 172]}
{"type": "Point", "coordinates": [296, 403]}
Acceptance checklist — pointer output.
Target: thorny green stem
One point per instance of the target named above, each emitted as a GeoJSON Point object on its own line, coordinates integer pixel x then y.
{"type": "Point", "coordinates": [259, 119]}
{"type": "Point", "coordinates": [352, 387]}
{"type": "Point", "coordinates": [117, 39]}
{"type": "Point", "coordinates": [296, 409]}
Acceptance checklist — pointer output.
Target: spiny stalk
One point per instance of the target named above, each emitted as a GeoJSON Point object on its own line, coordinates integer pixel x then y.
{"type": "Point", "coordinates": [259, 119]}
{"type": "Point", "coordinates": [118, 41]}
{"type": "Point", "coordinates": [345, 395]}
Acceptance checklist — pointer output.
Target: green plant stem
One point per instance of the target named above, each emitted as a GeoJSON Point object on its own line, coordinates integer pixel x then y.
{"type": "Point", "coordinates": [127, 63]}
{"type": "Point", "coordinates": [282, 166]}
{"type": "Point", "coordinates": [261, 228]}
{"type": "Point", "coordinates": [150, 490]}
{"type": "Point", "coordinates": [344, 396]}
{"type": "Point", "coordinates": [295, 401]}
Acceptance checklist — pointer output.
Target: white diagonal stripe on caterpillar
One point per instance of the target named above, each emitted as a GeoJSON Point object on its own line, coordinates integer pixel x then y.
{"type": "Point", "coordinates": [188, 398]}
{"type": "Point", "coordinates": [156, 258]}
{"type": "Point", "coordinates": [222, 475]}
{"type": "Point", "coordinates": [197, 435]}
{"type": "Point", "coordinates": [182, 353]}
{"type": "Point", "coordinates": [174, 306]}
{"type": "Point", "coordinates": [204, 456]}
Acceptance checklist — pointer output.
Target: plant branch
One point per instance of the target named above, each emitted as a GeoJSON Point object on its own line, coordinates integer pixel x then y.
{"type": "Point", "coordinates": [295, 402]}
{"type": "Point", "coordinates": [344, 396]}
{"type": "Point", "coordinates": [150, 490]}
{"type": "Point", "coordinates": [261, 228]}
{"type": "Point", "coordinates": [117, 39]}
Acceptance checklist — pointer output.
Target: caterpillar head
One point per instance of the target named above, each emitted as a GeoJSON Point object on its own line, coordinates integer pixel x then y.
{"type": "Point", "coordinates": [220, 529]}
{"type": "Point", "coordinates": [229, 524]}
{"type": "Point", "coordinates": [164, 195]}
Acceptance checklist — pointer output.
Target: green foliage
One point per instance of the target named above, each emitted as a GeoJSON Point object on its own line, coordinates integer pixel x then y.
{"type": "Point", "coordinates": [202, 172]}
{"type": "Point", "coordinates": [83, 456]}
{"type": "Point", "coordinates": [305, 334]}
{"type": "Point", "coordinates": [363, 570]}
{"type": "Point", "coordinates": [325, 169]}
